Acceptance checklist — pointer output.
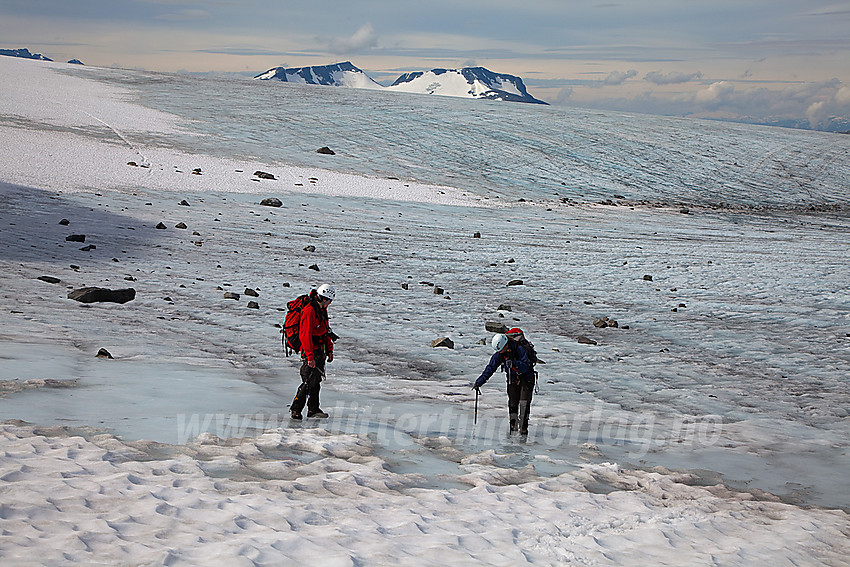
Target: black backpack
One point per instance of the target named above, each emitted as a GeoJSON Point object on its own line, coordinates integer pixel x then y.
{"type": "Point", "coordinates": [529, 348]}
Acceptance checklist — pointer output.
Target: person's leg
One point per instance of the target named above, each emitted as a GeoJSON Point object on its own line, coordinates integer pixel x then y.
{"type": "Point", "coordinates": [314, 385]}
{"type": "Point", "coordinates": [513, 405]}
{"type": "Point", "coordinates": [303, 391]}
{"type": "Point", "coordinates": [526, 393]}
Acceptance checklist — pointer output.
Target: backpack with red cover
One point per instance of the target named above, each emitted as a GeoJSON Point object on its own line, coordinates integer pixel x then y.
{"type": "Point", "coordinates": [292, 323]}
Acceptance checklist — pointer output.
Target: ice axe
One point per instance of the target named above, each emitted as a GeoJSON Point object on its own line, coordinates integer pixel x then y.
{"type": "Point", "coordinates": [475, 416]}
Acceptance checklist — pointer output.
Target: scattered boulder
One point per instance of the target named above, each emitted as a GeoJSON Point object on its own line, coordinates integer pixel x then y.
{"type": "Point", "coordinates": [271, 202]}
{"type": "Point", "coordinates": [231, 295]}
{"type": "Point", "coordinates": [103, 353]}
{"type": "Point", "coordinates": [495, 327]}
{"type": "Point", "coordinates": [251, 292]}
{"type": "Point", "coordinates": [438, 290]}
{"type": "Point", "coordinates": [196, 171]}
{"type": "Point", "coordinates": [64, 222]}
{"type": "Point", "coordinates": [647, 278]}
{"type": "Point", "coordinates": [585, 341]}
{"type": "Point", "coordinates": [181, 225]}
{"type": "Point", "coordinates": [88, 248]}
{"type": "Point", "coordinates": [264, 175]}
{"type": "Point", "coordinates": [515, 282]}
{"type": "Point", "coordinates": [76, 238]}
{"type": "Point", "coordinates": [326, 150]}
{"type": "Point", "coordinates": [314, 267]}
{"type": "Point", "coordinates": [605, 322]}
{"type": "Point", "coordinates": [405, 285]}
{"type": "Point", "coordinates": [309, 248]}
{"type": "Point", "coordinates": [49, 279]}
{"type": "Point", "coordinates": [184, 203]}
{"type": "Point", "coordinates": [476, 235]}
{"type": "Point", "coordinates": [253, 305]}
{"type": "Point", "coordinates": [161, 226]}
{"type": "Point", "coordinates": [504, 307]}
{"type": "Point", "coordinates": [101, 295]}
{"type": "Point", "coordinates": [685, 211]}
{"type": "Point", "coordinates": [443, 342]}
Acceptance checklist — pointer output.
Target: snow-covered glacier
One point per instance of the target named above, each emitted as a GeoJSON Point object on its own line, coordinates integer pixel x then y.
{"type": "Point", "coordinates": [709, 426]}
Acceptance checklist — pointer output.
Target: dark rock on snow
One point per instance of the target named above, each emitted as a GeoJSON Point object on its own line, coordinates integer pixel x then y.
{"type": "Point", "coordinates": [64, 222]}
{"type": "Point", "coordinates": [253, 305]}
{"type": "Point", "coordinates": [326, 150]}
{"type": "Point", "coordinates": [161, 226]}
{"type": "Point", "coordinates": [443, 342]}
{"type": "Point", "coordinates": [494, 327]}
{"type": "Point", "coordinates": [101, 295]}
{"type": "Point", "coordinates": [231, 295]}
{"type": "Point", "coordinates": [49, 279]}
{"type": "Point", "coordinates": [264, 175]}
{"type": "Point", "coordinates": [515, 282]}
{"type": "Point", "coordinates": [103, 353]}
{"type": "Point", "coordinates": [271, 202]}
{"type": "Point", "coordinates": [76, 238]}
{"type": "Point", "coordinates": [314, 267]}
{"type": "Point", "coordinates": [181, 225]}
{"type": "Point", "coordinates": [585, 341]}
{"type": "Point", "coordinates": [251, 292]}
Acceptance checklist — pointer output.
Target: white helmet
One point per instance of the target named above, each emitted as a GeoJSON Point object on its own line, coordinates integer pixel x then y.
{"type": "Point", "coordinates": [499, 342]}
{"type": "Point", "coordinates": [326, 291]}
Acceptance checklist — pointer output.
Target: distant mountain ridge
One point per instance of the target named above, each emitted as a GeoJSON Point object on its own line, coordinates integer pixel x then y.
{"type": "Point", "coordinates": [338, 75]}
{"type": "Point", "coordinates": [24, 53]}
{"type": "Point", "coordinates": [469, 82]}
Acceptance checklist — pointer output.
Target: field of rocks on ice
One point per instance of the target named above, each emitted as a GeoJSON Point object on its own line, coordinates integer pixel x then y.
{"type": "Point", "coordinates": [709, 427]}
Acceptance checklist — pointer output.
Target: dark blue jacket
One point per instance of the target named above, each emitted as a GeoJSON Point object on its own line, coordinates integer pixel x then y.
{"type": "Point", "coordinates": [514, 362]}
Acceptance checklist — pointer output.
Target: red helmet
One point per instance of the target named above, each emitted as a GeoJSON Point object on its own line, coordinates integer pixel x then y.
{"type": "Point", "coordinates": [515, 333]}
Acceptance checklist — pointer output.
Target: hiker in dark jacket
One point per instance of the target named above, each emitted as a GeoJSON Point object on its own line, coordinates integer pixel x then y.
{"type": "Point", "coordinates": [316, 348]}
{"type": "Point", "coordinates": [515, 362]}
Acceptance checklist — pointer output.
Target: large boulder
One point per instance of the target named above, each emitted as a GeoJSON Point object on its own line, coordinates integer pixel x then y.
{"type": "Point", "coordinates": [100, 295]}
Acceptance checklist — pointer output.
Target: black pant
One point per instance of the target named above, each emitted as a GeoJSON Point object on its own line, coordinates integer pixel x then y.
{"type": "Point", "coordinates": [520, 391]}
{"type": "Point", "coordinates": [311, 383]}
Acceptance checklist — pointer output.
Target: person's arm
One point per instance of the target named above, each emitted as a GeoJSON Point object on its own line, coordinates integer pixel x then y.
{"type": "Point", "coordinates": [495, 361]}
{"type": "Point", "coordinates": [305, 333]}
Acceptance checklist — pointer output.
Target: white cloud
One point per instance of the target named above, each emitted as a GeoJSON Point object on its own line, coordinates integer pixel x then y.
{"type": "Point", "coordinates": [613, 79]}
{"type": "Point", "coordinates": [363, 39]}
{"type": "Point", "coordinates": [673, 78]}
{"type": "Point", "coordinates": [716, 94]}
{"type": "Point", "coordinates": [618, 78]}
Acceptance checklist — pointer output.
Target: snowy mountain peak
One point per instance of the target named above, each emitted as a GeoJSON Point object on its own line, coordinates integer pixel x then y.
{"type": "Point", "coordinates": [338, 75]}
{"type": "Point", "coordinates": [470, 82]}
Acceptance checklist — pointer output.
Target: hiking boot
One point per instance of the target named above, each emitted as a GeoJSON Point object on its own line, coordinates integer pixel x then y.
{"type": "Point", "coordinates": [317, 413]}
{"type": "Point", "coordinates": [297, 415]}
{"type": "Point", "coordinates": [524, 432]}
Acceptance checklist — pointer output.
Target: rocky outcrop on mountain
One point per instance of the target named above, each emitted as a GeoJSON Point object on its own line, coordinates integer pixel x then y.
{"type": "Point", "coordinates": [24, 53]}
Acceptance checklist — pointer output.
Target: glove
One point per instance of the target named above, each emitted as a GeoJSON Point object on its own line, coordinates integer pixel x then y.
{"type": "Point", "coordinates": [330, 357]}
{"type": "Point", "coordinates": [478, 383]}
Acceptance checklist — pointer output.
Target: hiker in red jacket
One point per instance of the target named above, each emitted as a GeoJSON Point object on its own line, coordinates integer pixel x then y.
{"type": "Point", "coordinates": [316, 348]}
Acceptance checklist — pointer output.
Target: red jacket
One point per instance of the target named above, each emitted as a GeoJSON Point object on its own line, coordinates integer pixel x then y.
{"type": "Point", "coordinates": [313, 331]}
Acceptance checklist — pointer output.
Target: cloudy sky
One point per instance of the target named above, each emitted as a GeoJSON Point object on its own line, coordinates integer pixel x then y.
{"type": "Point", "coordinates": [773, 61]}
